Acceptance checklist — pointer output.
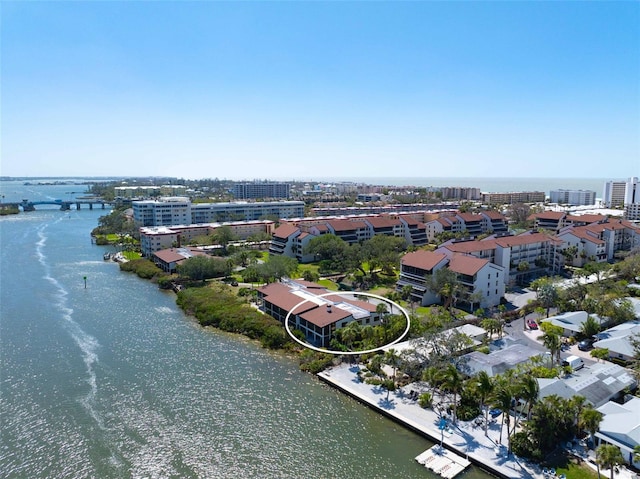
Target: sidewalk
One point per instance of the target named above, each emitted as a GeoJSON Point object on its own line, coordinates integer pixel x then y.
{"type": "Point", "coordinates": [465, 438]}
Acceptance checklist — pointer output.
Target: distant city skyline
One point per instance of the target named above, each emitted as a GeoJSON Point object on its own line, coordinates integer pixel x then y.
{"type": "Point", "coordinates": [274, 90]}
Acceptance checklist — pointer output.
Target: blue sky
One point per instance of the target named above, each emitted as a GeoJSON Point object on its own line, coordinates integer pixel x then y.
{"type": "Point", "coordinates": [244, 90]}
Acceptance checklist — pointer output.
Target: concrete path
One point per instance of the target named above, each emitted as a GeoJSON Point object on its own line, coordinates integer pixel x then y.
{"type": "Point", "coordinates": [464, 438]}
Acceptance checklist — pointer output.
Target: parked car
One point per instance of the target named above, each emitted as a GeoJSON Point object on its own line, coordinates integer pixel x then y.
{"type": "Point", "coordinates": [531, 324]}
{"type": "Point", "coordinates": [494, 413]}
{"type": "Point", "coordinates": [585, 344]}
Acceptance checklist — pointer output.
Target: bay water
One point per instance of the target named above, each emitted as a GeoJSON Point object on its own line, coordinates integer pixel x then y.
{"type": "Point", "coordinates": [112, 380]}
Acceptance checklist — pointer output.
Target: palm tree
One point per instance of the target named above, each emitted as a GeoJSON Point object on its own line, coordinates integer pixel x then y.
{"type": "Point", "coordinates": [452, 381]}
{"type": "Point", "coordinates": [491, 325]}
{"type": "Point", "coordinates": [608, 456]}
{"type": "Point", "coordinates": [529, 390]}
{"type": "Point", "coordinates": [350, 333]}
{"type": "Point", "coordinates": [392, 358]}
{"type": "Point", "coordinates": [590, 419]}
{"type": "Point", "coordinates": [636, 453]}
{"type": "Point", "coordinates": [502, 399]}
{"type": "Point", "coordinates": [484, 387]}
{"type": "Point", "coordinates": [552, 342]}
{"type": "Point", "coordinates": [381, 309]}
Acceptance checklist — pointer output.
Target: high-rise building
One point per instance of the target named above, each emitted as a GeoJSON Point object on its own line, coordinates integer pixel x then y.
{"type": "Point", "coordinates": [573, 197]}
{"type": "Point", "coordinates": [618, 193]}
{"type": "Point", "coordinates": [260, 189]}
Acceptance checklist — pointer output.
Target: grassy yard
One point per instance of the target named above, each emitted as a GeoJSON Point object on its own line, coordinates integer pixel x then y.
{"type": "Point", "coordinates": [571, 467]}
{"type": "Point", "coordinates": [131, 255]}
{"type": "Point", "coordinates": [330, 285]}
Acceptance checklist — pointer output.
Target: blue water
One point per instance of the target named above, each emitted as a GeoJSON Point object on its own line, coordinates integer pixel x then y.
{"type": "Point", "coordinates": [113, 381]}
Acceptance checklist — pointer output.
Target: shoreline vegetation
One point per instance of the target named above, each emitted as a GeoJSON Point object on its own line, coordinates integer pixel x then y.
{"type": "Point", "coordinates": [215, 304]}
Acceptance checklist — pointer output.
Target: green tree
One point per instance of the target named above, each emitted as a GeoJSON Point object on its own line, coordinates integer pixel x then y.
{"type": "Point", "coordinates": [590, 420]}
{"type": "Point", "coordinates": [200, 268]}
{"type": "Point", "coordinates": [502, 397]}
{"type": "Point", "coordinates": [590, 327]}
{"type": "Point", "coordinates": [452, 381]}
{"type": "Point", "coordinates": [382, 251]}
{"type": "Point", "coordinates": [608, 456]}
{"type": "Point", "coordinates": [548, 296]}
{"type": "Point", "coordinates": [277, 267]}
{"type": "Point", "coordinates": [553, 343]}
{"type": "Point", "coordinates": [331, 249]}
{"type": "Point", "coordinates": [224, 235]}
{"type": "Point", "coordinates": [484, 388]}
{"type": "Point", "coordinates": [444, 282]}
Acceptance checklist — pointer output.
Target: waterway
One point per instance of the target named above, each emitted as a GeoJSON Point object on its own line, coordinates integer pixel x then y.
{"type": "Point", "coordinates": [113, 381]}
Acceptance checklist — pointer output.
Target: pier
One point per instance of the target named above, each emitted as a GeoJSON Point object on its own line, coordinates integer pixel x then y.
{"type": "Point", "coordinates": [442, 461]}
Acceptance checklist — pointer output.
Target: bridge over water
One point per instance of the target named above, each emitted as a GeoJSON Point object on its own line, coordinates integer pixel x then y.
{"type": "Point", "coordinates": [66, 205]}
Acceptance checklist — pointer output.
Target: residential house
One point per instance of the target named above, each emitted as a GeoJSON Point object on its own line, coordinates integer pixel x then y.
{"type": "Point", "coordinates": [570, 322]}
{"type": "Point", "coordinates": [619, 340]}
{"type": "Point", "coordinates": [621, 427]}
{"type": "Point", "coordinates": [598, 383]}
{"type": "Point", "coordinates": [169, 259]}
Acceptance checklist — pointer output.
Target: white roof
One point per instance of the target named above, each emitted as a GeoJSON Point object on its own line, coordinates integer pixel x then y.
{"type": "Point", "coordinates": [572, 320]}
{"type": "Point", "coordinates": [621, 422]}
{"type": "Point", "coordinates": [618, 338]}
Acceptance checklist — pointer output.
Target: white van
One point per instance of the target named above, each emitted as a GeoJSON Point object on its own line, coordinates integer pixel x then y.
{"type": "Point", "coordinates": [575, 362]}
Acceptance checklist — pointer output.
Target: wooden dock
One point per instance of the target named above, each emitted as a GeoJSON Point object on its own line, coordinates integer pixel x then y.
{"type": "Point", "coordinates": [443, 462]}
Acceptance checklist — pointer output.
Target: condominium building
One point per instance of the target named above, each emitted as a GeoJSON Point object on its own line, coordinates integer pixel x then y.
{"type": "Point", "coordinates": [481, 282]}
{"type": "Point", "coordinates": [260, 189]}
{"type": "Point", "coordinates": [314, 310]}
{"type": "Point", "coordinates": [171, 211]}
{"type": "Point", "coordinates": [157, 238]}
{"type": "Point", "coordinates": [573, 197]}
{"type": "Point", "coordinates": [618, 193]}
{"type": "Point", "coordinates": [513, 197]}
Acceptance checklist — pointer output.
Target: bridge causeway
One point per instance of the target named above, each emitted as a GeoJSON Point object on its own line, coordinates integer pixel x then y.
{"type": "Point", "coordinates": [65, 205]}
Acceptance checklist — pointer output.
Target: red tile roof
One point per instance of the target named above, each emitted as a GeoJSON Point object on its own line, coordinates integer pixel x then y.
{"type": "Point", "coordinates": [547, 215]}
{"type": "Point", "coordinates": [169, 255]}
{"type": "Point", "coordinates": [346, 225]}
{"type": "Point", "coordinates": [422, 259]}
{"type": "Point", "coordinates": [466, 264]}
{"type": "Point", "coordinates": [377, 222]}
{"type": "Point", "coordinates": [525, 238]}
{"type": "Point", "coordinates": [285, 230]}
{"type": "Point", "coordinates": [493, 214]}
{"type": "Point", "coordinates": [583, 233]}
{"type": "Point", "coordinates": [321, 317]}
{"type": "Point", "coordinates": [469, 217]}
{"type": "Point", "coordinates": [471, 246]}
{"type": "Point", "coordinates": [280, 295]}
{"type": "Point", "coordinates": [586, 218]}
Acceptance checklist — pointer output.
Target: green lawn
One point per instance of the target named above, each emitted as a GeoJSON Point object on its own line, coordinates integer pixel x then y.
{"type": "Point", "coordinates": [570, 467]}
{"type": "Point", "coordinates": [330, 285]}
{"type": "Point", "coordinates": [131, 255]}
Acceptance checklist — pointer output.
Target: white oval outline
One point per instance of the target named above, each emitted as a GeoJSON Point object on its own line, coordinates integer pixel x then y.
{"type": "Point", "coordinates": [349, 353]}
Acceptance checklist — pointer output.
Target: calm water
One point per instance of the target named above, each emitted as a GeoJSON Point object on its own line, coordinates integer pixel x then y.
{"type": "Point", "coordinates": [113, 381]}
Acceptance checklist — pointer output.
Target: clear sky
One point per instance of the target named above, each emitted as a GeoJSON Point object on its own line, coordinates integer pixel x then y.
{"type": "Point", "coordinates": [244, 90]}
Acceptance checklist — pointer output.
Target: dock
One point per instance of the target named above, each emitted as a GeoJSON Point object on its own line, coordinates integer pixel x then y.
{"type": "Point", "coordinates": [443, 462]}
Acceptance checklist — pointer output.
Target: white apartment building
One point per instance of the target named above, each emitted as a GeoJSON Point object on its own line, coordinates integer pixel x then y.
{"type": "Point", "coordinates": [169, 211]}
{"type": "Point", "coordinates": [619, 193]}
{"type": "Point", "coordinates": [157, 238]}
{"type": "Point", "coordinates": [573, 197]}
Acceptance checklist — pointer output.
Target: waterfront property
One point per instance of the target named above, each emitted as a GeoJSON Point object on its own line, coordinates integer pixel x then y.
{"type": "Point", "coordinates": [157, 238]}
{"type": "Point", "coordinates": [170, 211]}
{"type": "Point", "coordinates": [317, 316]}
